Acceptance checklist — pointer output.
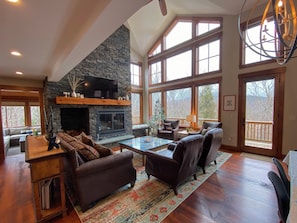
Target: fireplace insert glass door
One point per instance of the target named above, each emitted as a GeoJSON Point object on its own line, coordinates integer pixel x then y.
{"type": "Point", "coordinates": [110, 122]}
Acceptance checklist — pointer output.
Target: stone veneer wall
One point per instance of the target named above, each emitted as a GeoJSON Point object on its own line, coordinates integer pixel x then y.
{"type": "Point", "coordinates": [110, 60]}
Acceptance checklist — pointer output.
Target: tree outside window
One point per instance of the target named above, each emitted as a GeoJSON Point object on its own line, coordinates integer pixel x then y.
{"type": "Point", "coordinates": [156, 96]}
{"type": "Point", "coordinates": [208, 103]}
{"type": "Point", "coordinates": [178, 103]}
{"type": "Point", "coordinates": [13, 116]}
{"type": "Point", "coordinates": [35, 115]}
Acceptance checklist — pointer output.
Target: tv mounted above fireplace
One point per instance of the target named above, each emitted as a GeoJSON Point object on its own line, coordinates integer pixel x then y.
{"type": "Point", "coordinates": [96, 87]}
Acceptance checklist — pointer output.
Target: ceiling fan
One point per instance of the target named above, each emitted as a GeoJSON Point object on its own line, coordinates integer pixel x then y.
{"type": "Point", "coordinates": [163, 7]}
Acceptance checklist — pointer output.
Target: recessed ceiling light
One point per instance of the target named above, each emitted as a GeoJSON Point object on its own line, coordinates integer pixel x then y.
{"type": "Point", "coordinates": [19, 73]}
{"type": "Point", "coordinates": [16, 53]}
{"type": "Point", "coordinates": [14, 1]}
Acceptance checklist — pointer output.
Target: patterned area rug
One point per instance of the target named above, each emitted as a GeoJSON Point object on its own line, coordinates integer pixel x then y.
{"type": "Point", "coordinates": [148, 201]}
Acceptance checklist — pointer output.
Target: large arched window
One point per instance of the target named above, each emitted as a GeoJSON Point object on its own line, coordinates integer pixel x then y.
{"type": "Point", "coordinates": [189, 47]}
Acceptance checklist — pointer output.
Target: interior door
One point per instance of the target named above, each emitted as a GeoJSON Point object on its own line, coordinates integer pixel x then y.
{"type": "Point", "coordinates": [261, 112]}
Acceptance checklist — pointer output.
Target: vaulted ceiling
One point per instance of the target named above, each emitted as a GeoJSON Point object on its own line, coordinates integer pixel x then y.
{"type": "Point", "coordinates": [53, 36]}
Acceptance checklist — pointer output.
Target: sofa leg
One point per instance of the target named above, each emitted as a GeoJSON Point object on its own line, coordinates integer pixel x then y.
{"type": "Point", "coordinates": [148, 176]}
{"type": "Point", "coordinates": [203, 168]}
{"type": "Point", "coordinates": [215, 162]}
{"type": "Point", "coordinates": [132, 183]}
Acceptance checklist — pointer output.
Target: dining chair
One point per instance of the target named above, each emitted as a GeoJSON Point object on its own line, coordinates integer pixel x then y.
{"type": "Point", "coordinates": [281, 194]}
{"type": "Point", "coordinates": [282, 174]}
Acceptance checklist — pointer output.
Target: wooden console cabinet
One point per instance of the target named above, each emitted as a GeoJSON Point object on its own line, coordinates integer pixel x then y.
{"type": "Point", "coordinates": [47, 178]}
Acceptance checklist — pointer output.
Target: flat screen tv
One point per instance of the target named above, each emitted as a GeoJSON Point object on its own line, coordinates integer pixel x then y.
{"type": "Point", "coordinates": [96, 87]}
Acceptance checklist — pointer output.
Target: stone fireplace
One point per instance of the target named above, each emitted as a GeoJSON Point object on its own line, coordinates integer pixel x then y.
{"type": "Point", "coordinates": [111, 60]}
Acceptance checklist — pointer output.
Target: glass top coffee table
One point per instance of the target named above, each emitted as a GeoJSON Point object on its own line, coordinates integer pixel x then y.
{"type": "Point", "coordinates": [142, 144]}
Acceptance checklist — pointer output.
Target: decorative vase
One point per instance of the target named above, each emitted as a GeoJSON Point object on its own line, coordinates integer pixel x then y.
{"type": "Point", "coordinates": [73, 94]}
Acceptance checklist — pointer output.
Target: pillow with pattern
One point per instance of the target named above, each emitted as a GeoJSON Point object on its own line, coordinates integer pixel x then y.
{"type": "Point", "coordinates": [88, 153]}
{"type": "Point", "coordinates": [102, 150]}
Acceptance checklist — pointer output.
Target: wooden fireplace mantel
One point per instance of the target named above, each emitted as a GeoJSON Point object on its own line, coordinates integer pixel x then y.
{"type": "Point", "coordinates": [90, 101]}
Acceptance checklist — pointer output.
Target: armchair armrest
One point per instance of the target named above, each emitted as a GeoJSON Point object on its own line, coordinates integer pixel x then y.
{"type": "Point", "coordinates": [104, 163]}
{"type": "Point", "coordinates": [161, 157]}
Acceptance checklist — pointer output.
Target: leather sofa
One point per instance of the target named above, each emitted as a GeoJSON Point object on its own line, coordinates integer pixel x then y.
{"type": "Point", "coordinates": [176, 163]}
{"type": "Point", "coordinates": [93, 179]}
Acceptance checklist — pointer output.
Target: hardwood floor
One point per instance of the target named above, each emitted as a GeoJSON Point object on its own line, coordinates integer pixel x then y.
{"type": "Point", "coordinates": [238, 192]}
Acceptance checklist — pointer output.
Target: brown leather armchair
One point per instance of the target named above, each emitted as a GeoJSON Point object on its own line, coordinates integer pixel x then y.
{"type": "Point", "coordinates": [210, 125]}
{"type": "Point", "coordinates": [169, 130]}
{"type": "Point", "coordinates": [176, 163]}
{"type": "Point", "coordinates": [211, 144]}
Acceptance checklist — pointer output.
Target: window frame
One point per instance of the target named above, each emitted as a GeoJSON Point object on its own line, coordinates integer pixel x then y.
{"type": "Point", "coordinates": [194, 84]}
{"type": "Point", "coordinates": [140, 106]}
{"type": "Point", "coordinates": [210, 81]}
{"type": "Point", "coordinates": [215, 34]}
{"type": "Point", "coordinates": [253, 23]}
{"type": "Point", "coordinates": [140, 74]}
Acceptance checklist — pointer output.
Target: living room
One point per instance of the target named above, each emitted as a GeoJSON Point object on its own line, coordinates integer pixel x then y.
{"type": "Point", "coordinates": [229, 73]}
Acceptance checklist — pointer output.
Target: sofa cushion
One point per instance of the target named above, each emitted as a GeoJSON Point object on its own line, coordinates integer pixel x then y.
{"type": "Point", "coordinates": [102, 150]}
{"type": "Point", "coordinates": [88, 153]}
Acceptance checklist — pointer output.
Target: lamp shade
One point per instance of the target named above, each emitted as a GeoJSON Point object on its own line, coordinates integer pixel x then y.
{"type": "Point", "coordinates": [191, 118]}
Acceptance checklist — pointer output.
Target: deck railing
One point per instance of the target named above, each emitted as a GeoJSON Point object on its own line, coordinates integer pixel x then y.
{"type": "Point", "coordinates": [260, 131]}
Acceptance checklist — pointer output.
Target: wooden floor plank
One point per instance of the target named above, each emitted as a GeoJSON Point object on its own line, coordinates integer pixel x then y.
{"type": "Point", "coordinates": [237, 192]}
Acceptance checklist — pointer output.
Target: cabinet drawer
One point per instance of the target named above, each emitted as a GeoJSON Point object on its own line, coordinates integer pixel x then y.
{"type": "Point", "coordinates": [45, 168]}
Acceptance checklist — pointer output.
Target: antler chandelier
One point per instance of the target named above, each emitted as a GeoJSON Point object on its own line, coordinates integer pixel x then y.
{"type": "Point", "coordinates": [275, 37]}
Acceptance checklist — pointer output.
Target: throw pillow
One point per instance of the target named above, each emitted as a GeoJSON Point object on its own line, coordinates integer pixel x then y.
{"type": "Point", "coordinates": [84, 138]}
{"type": "Point", "coordinates": [65, 137]}
{"type": "Point", "coordinates": [88, 153]}
{"type": "Point", "coordinates": [78, 137]}
{"type": "Point", "coordinates": [102, 150]}
{"type": "Point", "coordinates": [204, 131]}
{"type": "Point", "coordinates": [87, 139]}
{"type": "Point", "coordinates": [77, 145]}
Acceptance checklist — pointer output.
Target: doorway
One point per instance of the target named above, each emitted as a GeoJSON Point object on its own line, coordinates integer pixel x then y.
{"type": "Point", "coordinates": [260, 118]}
